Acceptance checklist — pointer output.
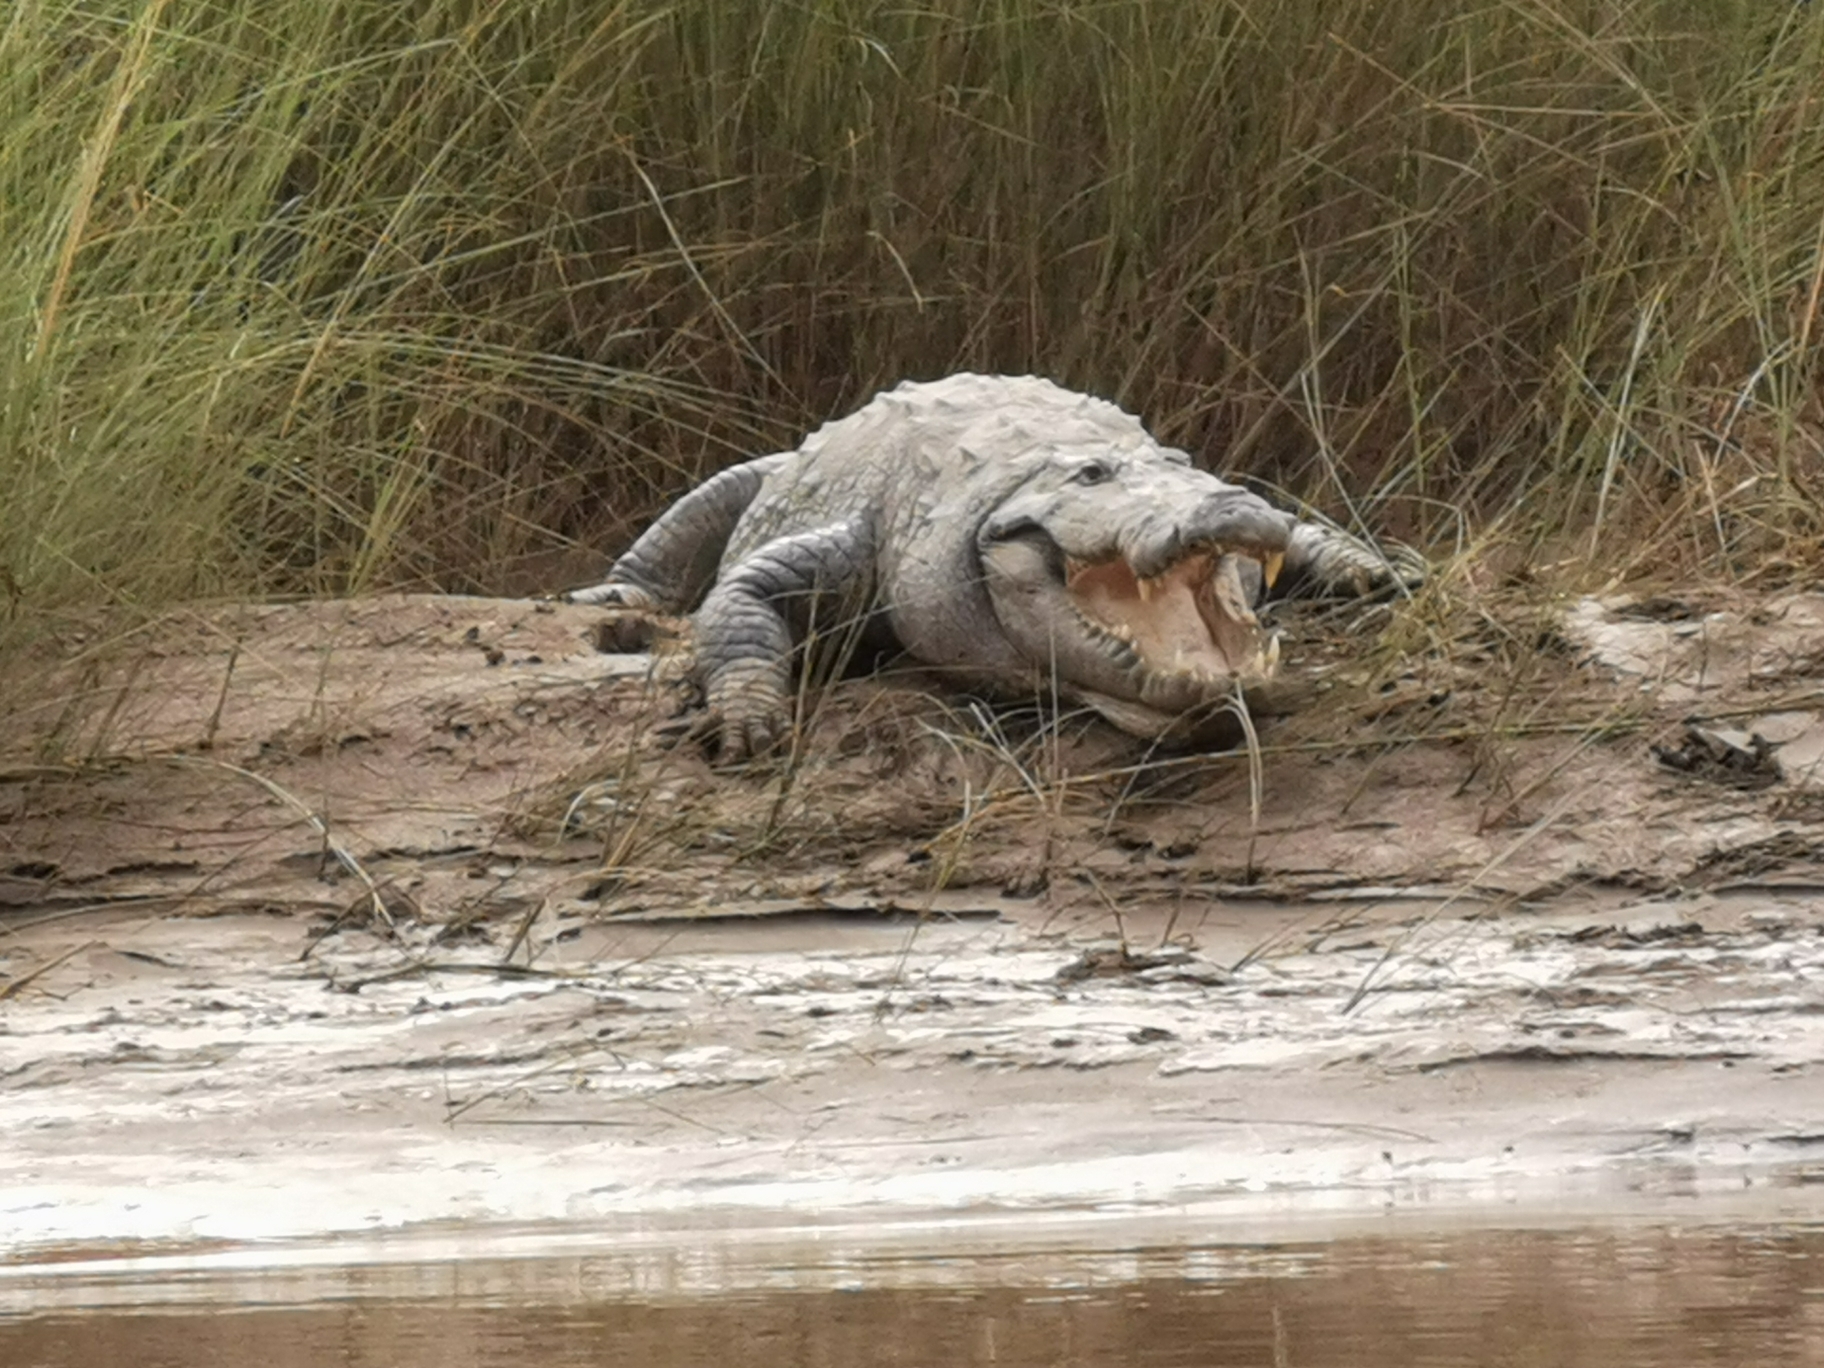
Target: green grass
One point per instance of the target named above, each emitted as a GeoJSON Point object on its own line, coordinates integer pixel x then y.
{"type": "Point", "coordinates": [330, 296]}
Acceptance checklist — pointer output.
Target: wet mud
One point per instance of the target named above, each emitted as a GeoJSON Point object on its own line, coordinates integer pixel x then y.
{"type": "Point", "coordinates": [348, 919]}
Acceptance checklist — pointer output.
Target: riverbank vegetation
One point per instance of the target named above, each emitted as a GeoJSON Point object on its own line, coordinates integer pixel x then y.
{"type": "Point", "coordinates": [326, 297]}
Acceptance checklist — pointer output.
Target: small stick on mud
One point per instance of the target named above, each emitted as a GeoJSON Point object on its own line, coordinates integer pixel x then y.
{"type": "Point", "coordinates": [19, 983]}
{"type": "Point", "coordinates": [214, 724]}
{"type": "Point", "coordinates": [522, 930]}
{"type": "Point", "coordinates": [99, 746]}
{"type": "Point", "coordinates": [418, 967]}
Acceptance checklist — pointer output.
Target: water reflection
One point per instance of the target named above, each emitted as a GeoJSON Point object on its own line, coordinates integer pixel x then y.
{"type": "Point", "coordinates": [1648, 1297]}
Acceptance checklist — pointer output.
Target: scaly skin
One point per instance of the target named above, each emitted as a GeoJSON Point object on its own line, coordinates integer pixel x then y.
{"type": "Point", "coordinates": [948, 517]}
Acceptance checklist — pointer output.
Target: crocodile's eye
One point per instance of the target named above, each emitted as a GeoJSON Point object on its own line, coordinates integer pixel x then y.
{"type": "Point", "coordinates": [1093, 473]}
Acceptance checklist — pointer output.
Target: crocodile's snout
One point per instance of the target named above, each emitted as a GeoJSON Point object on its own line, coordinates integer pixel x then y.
{"type": "Point", "coordinates": [1157, 531]}
{"type": "Point", "coordinates": [1154, 564]}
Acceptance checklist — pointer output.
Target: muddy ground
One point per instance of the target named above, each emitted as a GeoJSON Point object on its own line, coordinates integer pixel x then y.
{"type": "Point", "coordinates": [358, 916]}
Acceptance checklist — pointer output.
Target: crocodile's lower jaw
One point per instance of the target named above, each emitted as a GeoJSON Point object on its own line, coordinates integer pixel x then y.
{"type": "Point", "coordinates": [1213, 721]}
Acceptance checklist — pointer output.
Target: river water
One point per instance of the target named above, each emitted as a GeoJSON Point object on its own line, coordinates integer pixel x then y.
{"type": "Point", "coordinates": [1641, 1294]}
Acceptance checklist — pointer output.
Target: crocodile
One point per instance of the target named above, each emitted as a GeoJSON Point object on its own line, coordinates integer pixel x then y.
{"type": "Point", "coordinates": [1023, 538]}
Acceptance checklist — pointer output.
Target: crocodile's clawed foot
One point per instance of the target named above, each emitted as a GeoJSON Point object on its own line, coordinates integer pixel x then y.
{"type": "Point", "coordinates": [627, 632]}
{"type": "Point", "coordinates": [633, 618]}
{"type": "Point", "coordinates": [1356, 570]}
{"type": "Point", "coordinates": [1405, 568]}
{"type": "Point", "coordinates": [732, 735]}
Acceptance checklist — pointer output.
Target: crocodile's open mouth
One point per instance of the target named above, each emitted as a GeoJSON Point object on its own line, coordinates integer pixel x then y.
{"type": "Point", "coordinates": [1195, 618]}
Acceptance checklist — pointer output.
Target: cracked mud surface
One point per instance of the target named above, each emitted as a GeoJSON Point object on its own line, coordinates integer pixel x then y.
{"type": "Point", "coordinates": [1483, 943]}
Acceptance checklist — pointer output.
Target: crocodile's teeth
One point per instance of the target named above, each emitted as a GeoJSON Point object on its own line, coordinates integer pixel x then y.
{"type": "Point", "coordinates": [1266, 659]}
{"type": "Point", "coordinates": [1272, 565]}
{"type": "Point", "coordinates": [1148, 587]}
{"type": "Point", "coordinates": [1231, 594]}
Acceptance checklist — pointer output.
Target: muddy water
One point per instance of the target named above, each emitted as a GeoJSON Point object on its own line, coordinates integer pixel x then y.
{"type": "Point", "coordinates": [1643, 1296]}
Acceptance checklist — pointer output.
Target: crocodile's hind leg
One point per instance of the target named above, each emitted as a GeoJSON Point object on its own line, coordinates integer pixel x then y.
{"type": "Point", "coordinates": [744, 641]}
{"type": "Point", "coordinates": [670, 568]}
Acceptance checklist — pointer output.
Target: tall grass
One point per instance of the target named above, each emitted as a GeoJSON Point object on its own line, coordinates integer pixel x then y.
{"type": "Point", "coordinates": [333, 295]}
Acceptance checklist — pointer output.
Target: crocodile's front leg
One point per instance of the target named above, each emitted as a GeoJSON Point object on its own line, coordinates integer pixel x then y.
{"type": "Point", "coordinates": [744, 637]}
{"type": "Point", "coordinates": [1321, 559]}
{"type": "Point", "coordinates": [670, 568]}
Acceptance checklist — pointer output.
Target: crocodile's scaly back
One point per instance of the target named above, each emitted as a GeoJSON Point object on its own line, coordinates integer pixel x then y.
{"type": "Point", "coordinates": [929, 462]}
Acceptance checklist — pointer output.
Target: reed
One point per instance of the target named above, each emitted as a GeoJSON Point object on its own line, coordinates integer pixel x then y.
{"type": "Point", "coordinates": [331, 296]}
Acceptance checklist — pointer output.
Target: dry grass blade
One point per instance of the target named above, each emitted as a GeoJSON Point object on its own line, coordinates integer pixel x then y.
{"type": "Point", "coordinates": [1469, 887]}
{"type": "Point", "coordinates": [376, 901]}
